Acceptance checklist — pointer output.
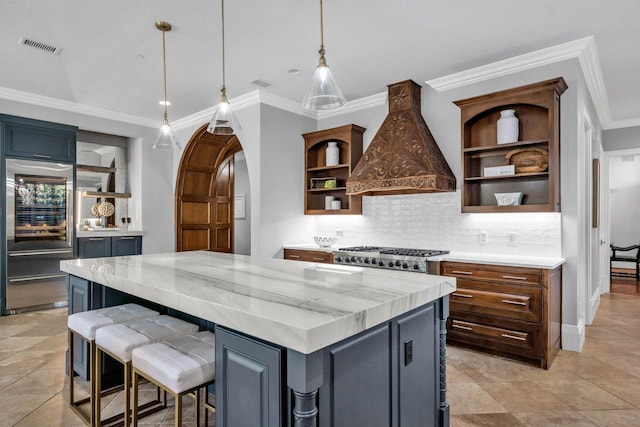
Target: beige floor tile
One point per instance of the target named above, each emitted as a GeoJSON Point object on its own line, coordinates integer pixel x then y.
{"type": "Point", "coordinates": [626, 389]}
{"type": "Point", "coordinates": [457, 375]}
{"type": "Point", "coordinates": [552, 419]}
{"type": "Point", "coordinates": [17, 344]}
{"type": "Point", "coordinates": [488, 420]}
{"type": "Point", "coordinates": [583, 395]}
{"type": "Point", "coordinates": [621, 418]}
{"type": "Point", "coordinates": [53, 413]}
{"type": "Point", "coordinates": [50, 380]}
{"type": "Point", "coordinates": [27, 360]}
{"type": "Point", "coordinates": [9, 330]}
{"type": "Point", "coordinates": [589, 367]}
{"type": "Point", "coordinates": [14, 407]}
{"type": "Point", "coordinates": [523, 396]}
{"type": "Point", "coordinates": [469, 398]}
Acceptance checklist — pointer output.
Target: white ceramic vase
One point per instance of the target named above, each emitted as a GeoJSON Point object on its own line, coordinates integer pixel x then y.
{"type": "Point", "coordinates": [333, 154]}
{"type": "Point", "coordinates": [507, 127]}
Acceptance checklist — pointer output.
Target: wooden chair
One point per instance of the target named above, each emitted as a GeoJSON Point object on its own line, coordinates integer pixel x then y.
{"type": "Point", "coordinates": [615, 257]}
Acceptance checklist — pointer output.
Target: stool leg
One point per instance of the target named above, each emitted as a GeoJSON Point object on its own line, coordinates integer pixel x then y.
{"type": "Point", "coordinates": [96, 380]}
{"type": "Point", "coordinates": [93, 374]}
{"type": "Point", "coordinates": [127, 394]}
{"type": "Point", "coordinates": [134, 418]}
{"type": "Point", "coordinates": [70, 367]}
{"type": "Point", "coordinates": [198, 407]}
{"type": "Point", "coordinates": [178, 410]}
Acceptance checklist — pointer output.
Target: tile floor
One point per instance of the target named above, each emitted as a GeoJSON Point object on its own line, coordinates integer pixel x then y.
{"type": "Point", "coordinates": [600, 386]}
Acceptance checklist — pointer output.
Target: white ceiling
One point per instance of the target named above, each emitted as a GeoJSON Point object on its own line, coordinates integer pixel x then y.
{"type": "Point", "coordinates": [112, 52]}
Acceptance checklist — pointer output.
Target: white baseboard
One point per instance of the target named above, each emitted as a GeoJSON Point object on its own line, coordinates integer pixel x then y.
{"type": "Point", "coordinates": [573, 336]}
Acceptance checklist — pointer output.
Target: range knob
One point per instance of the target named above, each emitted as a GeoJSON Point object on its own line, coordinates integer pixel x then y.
{"type": "Point", "coordinates": [374, 261]}
{"type": "Point", "coordinates": [347, 260]}
{"type": "Point", "coordinates": [390, 263]}
{"type": "Point", "coordinates": [360, 260]}
{"type": "Point", "coordinates": [381, 264]}
{"type": "Point", "coordinates": [338, 259]}
{"type": "Point", "coordinates": [366, 260]}
{"type": "Point", "coordinates": [353, 259]}
{"type": "Point", "coordinates": [397, 263]}
{"type": "Point", "coordinates": [405, 265]}
{"type": "Point", "coordinates": [416, 267]}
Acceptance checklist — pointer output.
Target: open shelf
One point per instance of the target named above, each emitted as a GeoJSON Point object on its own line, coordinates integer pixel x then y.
{"type": "Point", "coordinates": [109, 194]}
{"type": "Point", "coordinates": [349, 142]}
{"type": "Point", "coordinates": [537, 108]}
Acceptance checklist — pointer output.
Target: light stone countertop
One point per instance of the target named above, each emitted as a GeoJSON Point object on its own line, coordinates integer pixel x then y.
{"type": "Point", "coordinates": [472, 257]}
{"type": "Point", "coordinates": [299, 305]}
{"type": "Point", "coordinates": [109, 233]}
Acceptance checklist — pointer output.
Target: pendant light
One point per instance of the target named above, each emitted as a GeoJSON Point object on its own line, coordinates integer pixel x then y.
{"type": "Point", "coordinates": [166, 139]}
{"type": "Point", "coordinates": [324, 93]}
{"type": "Point", "coordinates": [223, 122]}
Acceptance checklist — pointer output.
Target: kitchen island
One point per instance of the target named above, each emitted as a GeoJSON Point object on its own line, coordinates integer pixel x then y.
{"type": "Point", "coordinates": [301, 343]}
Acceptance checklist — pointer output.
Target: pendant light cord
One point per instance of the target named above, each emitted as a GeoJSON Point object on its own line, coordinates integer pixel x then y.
{"type": "Point", "coordinates": [164, 68]}
{"type": "Point", "coordinates": [323, 62]}
{"type": "Point", "coordinates": [224, 89]}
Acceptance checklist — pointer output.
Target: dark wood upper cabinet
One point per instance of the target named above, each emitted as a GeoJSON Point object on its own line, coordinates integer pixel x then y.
{"type": "Point", "coordinates": [537, 108]}
{"type": "Point", "coordinates": [349, 142]}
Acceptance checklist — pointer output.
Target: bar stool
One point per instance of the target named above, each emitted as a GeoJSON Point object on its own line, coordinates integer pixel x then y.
{"type": "Point", "coordinates": [119, 341]}
{"type": "Point", "coordinates": [178, 365]}
{"type": "Point", "coordinates": [85, 324]}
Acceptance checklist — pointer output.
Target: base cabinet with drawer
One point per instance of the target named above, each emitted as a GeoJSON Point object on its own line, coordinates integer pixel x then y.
{"type": "Point", "coordinates": [508, 311]}
{"type": "Point", "coordinates": [308, 255]}
{"type": "Point", "coordinates": [96, 247]}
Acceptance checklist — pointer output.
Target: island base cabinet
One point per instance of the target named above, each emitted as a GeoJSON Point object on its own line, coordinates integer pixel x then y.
{"type": "Point", "coordinates": [249, 391]}
{"type": "Point", "coordinates": [392, 375]}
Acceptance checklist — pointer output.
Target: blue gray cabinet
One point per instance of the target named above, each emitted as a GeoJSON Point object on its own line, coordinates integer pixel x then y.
{"type": "Point", "coordinates": [249, 391]}
{"type": "Point", "coordinates": [95, 247]}
{"type": "Point", "coordinates": [35, 139]}
{"type": "Point", "coordinates": [392, 375]}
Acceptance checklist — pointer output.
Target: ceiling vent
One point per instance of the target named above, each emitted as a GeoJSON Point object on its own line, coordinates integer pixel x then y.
{"type": "Point", "coordinates": [261, 83]}
{"type": "Point", "coordinates": [39, 45]}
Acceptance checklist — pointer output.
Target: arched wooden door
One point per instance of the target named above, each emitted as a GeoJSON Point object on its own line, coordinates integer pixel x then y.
{"type": "Point", "coordinates": [204, 193]}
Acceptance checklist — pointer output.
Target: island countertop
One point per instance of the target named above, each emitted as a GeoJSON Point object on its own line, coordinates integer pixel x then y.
{"type": "Point", "coordinates": [298, 305]}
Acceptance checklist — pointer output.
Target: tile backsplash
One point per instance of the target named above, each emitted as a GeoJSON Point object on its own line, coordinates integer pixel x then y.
{"type": "Point", "coordinates": [434, 221]}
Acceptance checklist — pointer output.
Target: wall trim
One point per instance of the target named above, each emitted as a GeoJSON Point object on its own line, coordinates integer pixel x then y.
{"type": "Point", "coordinates": [74, 107]}
{"type": "Point", "coordinates": [583, 49]}
{"type": "Point", "coordinates": [355, 105]}
{"type": "Point", "coordinates": [573, 336]}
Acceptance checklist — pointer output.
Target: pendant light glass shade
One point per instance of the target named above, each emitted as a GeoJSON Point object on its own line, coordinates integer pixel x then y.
{"type": "Point", "coordinates": [324, 93]}
{"type": "Point", "coordinates": [224, 121]}
{"type": "Point", "coordinates": [166, 139]}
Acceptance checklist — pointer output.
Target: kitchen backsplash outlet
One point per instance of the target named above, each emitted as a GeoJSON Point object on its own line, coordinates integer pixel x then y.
{"type": "Point", "coordinates": [434, 221]}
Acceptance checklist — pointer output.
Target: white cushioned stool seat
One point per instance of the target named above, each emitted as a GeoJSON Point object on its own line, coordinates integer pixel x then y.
{"type": "Point", "coordinates": [120, 339]}
{"type": "Point", "coordinates": [180, 363]}
{"type": "Point", "coordinates": [86, 323]}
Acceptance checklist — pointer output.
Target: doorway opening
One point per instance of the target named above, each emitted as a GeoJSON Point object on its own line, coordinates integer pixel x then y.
{"type": "Point", "coordinates": [206, 206]}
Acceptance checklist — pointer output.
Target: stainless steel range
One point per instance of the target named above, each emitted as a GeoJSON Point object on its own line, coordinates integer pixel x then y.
{"type": "Point", "coordinates": [416, 260]}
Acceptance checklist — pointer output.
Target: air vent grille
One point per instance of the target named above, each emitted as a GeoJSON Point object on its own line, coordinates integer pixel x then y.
{"type": "Point", "coordinates": [261, 83]}
{"type": "Point", "coordinates": [40, 45]}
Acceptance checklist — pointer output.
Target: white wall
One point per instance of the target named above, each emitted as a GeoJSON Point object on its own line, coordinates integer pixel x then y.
{"type": "Point", "coordinates": [624, 199]}
{"type": "Point", "coordinates": [242, 226]}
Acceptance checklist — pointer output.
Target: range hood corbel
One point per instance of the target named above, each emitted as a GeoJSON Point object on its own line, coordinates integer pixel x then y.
{"type": "Point", "coordinates": [403, 157]}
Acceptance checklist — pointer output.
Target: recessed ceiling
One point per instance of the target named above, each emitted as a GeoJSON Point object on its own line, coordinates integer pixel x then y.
{"type": "Point", "coordinates": [112, 52]}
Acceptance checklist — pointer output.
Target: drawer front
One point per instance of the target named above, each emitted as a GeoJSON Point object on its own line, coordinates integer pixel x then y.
{"type": "Point", "coordinates": [522, 339]}
{"type": "Point", "coordinates": [529, 276]}
{"type": "Point", "coordinates": [498, 299]}
{"type": "Point", "coordinates": [311, 256]}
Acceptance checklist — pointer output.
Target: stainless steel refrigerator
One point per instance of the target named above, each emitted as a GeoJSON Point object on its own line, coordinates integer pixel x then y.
{"type": "Point", "coordinates": [39, 233]}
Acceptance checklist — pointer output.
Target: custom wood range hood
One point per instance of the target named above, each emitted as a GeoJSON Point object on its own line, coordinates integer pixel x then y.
{"type": "Point", "coordinates": [403, 157]}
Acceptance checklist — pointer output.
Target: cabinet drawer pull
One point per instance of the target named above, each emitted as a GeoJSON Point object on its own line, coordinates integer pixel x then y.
{"type": "Point", "coordinates": [469, 273]}
{"type": "Point", "coordinates": [514, 277]}
{"type": "Point", "coordinates": [507, 301]}
{"type": "Point", "coordinates": [96, 238]}
{"type": "Point", "coordinates": [127, 238]}
{"type": "Point", "coordinates": [513, 337]}
{"type": "Point", "coordinates": [455, 294]}
{"type": "Point", "coordinates": [466, 328]}
{"type": "Point", "coordinates": [319, 259]}
{"type": "Point", "coordinates": [293, 256]}
{"type": "Point", "coordinates": [42, 156]}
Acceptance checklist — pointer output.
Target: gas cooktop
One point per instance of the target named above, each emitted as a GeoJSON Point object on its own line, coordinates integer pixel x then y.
{"type": "Point", "coordinates": [406, 259]}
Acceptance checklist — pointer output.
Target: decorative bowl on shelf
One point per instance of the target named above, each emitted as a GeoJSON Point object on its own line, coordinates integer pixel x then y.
{"type": "Point", "coordinates": [508, 199]}
{"type": "Point", "coordinates": [325, 242]}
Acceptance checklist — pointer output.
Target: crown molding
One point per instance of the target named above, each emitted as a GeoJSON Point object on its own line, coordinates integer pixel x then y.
{"type": "Point", "coordinates": [355, 105]}
{"type": "Point", "coordinates": [582, 49]}
{"type": "Point", "coordinates": [619, 124]}
{"type": "Point", "coordinates": [73, 107]}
